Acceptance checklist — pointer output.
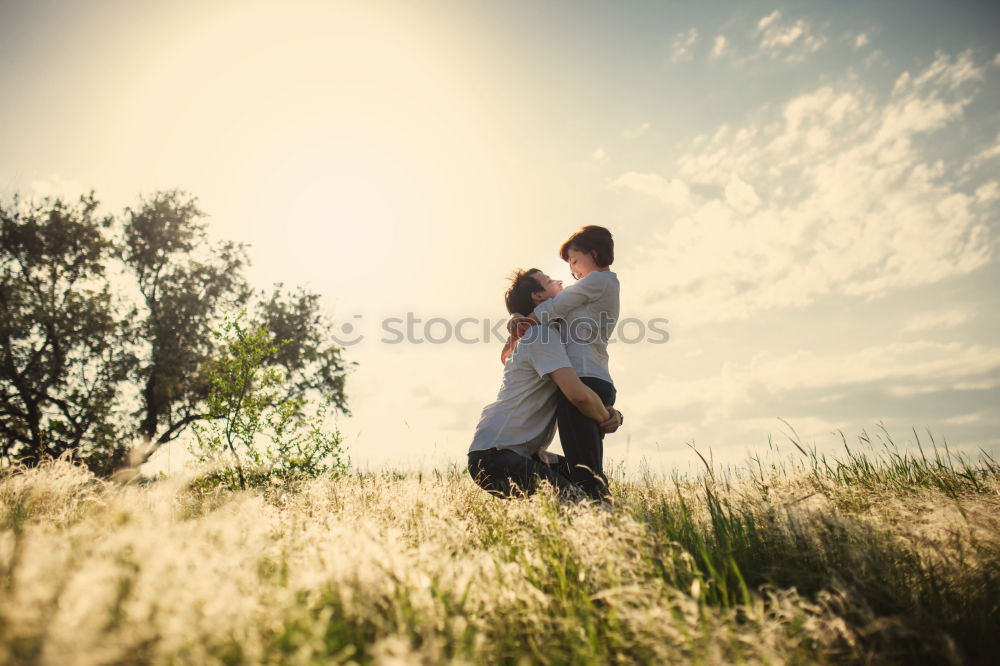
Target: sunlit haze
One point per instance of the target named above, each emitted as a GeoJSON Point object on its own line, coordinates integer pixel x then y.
{"type": "Point", "coordinates": [807, 193]}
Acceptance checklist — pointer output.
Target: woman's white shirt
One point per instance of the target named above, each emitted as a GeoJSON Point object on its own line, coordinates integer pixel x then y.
{"type": "Point", "coordinates": [589, 311]}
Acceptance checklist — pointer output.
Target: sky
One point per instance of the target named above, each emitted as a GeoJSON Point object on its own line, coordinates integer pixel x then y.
{"type": "Point", "coordinates": [804, 196]}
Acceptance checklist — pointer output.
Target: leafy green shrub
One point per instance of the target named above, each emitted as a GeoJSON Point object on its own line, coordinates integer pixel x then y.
{"type": "Point", "coordinates": [253, 435]}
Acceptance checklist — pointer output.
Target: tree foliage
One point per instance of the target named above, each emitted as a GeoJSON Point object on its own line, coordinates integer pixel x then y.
{"type": "Point", "coordinates": [62, 353]}
{"type": "Point", "coordinates": [106, 330]}
{"type": "Point", "coordinates": [182, 283]}
{"type": "Point", "coordinates": [311, 364]}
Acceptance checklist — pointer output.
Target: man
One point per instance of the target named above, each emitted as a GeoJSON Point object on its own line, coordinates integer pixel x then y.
{"type": "Point", "coordinates": [509, 455]}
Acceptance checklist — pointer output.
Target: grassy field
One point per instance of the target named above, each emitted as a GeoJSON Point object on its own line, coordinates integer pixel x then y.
{"type": "Point", "coordinates": [874, 557]}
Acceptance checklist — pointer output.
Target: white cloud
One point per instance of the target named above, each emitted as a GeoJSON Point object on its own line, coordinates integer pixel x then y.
{"type": "Point", "coordinates": [988, 153]}
{"type": "Point", "coordinates": [772, 37]}
{"type": "Point", "coordinates": [635, 133]}
{"type": "Point", "coordinates": [788, 40]}
{"type": "Point", "coordinates": [988, 192]}
{"type": "Point", "coordinates": [719, 48]}
{"type": "Point", "coordinates": [599, 155]}
{"type": "Point", "coordinates": [683, 43]}
{"type": "Point", "coordinates": [901, 368]}
{"type": "Point", "coordinates": [844, 199]}
{"type": "Point", "coordinates": [737, 406]}
{"type": "Point", "coordinates": [943, 71]}
{"type": "Point", "coordinates": [973, 417]}
{"type": "Point", "coordinates": [741, 196]}
{"type": "Point", "coordinates": [674, 193]}
{"type": "Point", "coordinates": [996, 60]}
{"type": "Point", "coordinates": [768, 20]}
{"type": "Point", "coordinates": [910, 390]}
{"type": "Point", "coordinates": [930, 320]}
{"type": "Point", "coordinates": [861, 40]}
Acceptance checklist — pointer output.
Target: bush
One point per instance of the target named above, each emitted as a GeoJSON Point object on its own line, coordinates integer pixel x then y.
{"type": "Point", "coordinates": [253, 436]}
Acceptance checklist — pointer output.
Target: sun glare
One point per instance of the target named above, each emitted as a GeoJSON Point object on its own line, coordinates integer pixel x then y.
{"type": "Point", "coordinates": [328, 118]}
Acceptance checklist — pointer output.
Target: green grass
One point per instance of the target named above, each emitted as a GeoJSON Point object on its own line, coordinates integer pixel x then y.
{"type": "Point", "coordinates": [871, 556]}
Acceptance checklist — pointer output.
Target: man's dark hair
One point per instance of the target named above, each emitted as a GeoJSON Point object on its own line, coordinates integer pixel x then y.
{"type": "Point", "coordinates": [591, 238]}
{"type": "Point", "coordinates": [522, 285]}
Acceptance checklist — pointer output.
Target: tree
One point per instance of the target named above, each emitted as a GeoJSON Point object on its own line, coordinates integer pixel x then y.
{"type": "Point", "coordinates": [182, 284]}
{"type": "Point", "coordinates": [61, 351]}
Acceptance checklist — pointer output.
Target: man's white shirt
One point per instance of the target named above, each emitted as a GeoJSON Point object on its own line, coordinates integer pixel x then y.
{"type": "Point", "coordinates": [523, 417]}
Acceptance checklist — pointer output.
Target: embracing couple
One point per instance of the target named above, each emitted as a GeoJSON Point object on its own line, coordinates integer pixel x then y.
{"type": "Point", "coordinates": [555, 373]}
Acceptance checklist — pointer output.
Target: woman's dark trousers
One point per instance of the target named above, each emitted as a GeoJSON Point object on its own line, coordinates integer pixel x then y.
{"type": "Point", "coordinates": [582, 440]}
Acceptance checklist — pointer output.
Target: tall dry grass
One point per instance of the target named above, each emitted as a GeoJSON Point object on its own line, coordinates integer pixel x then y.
{"type": "Point", "coordinates": [886, 558]}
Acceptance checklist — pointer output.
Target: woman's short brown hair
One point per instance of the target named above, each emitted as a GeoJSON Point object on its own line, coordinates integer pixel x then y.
{"type": "Point", "coordinates": [522, 285]}
{"type": "Point", "coordinates": [591, 238]}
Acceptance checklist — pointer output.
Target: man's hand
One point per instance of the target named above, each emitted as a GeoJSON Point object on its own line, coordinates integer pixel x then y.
{"type": "Point", "coordinates": [518, 322]}
{"type": "Point", "coordinates": [508, 347]}
{"type": "Point", "coordinates": [613, 422]}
